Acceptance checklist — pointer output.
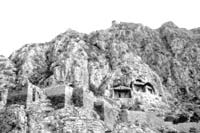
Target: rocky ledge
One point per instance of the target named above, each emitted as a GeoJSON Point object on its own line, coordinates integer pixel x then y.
{"type": "Point", "coordinates": [128, 78]}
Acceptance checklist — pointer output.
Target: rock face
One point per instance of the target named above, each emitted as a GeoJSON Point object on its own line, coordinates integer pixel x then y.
{"type": "Point", "coordinates": [7, 79]}
{"type": "Point", "coordinates": [13, 119]}
{"type": "Point", "coordinates": [106, 81]}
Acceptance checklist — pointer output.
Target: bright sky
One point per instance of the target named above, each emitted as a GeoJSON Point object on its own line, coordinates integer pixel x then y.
{"type": "Point", "coordinates": [34, 21]}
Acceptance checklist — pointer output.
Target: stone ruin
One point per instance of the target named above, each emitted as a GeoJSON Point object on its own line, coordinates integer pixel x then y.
{"type": "Point", "coordinates": [106, 107]}
{"type": "Point", "coordinates": [27, 95]}
{"type": "Point", "coordinates": [60, 95]}
{"type": "Point", "coordinates": [137, 86]}
{"type": "Point", "coordinates": [122, 92]}
{"type": "Point", "coordinates": [34, 95]}
{"type": "Point", "coordinates": [125, 93]}
{"type": "Point", "coordinates": [141, 86]}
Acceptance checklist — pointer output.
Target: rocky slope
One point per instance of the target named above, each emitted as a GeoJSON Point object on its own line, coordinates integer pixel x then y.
{"type": "Point", "coordinates": [7, 78]}
{"type": "Point", "coordinates": [127, 78]}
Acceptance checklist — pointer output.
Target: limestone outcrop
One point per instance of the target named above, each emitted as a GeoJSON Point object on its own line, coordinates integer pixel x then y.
{"type": "Point", "coordinates": [127, 78]}
{"type": "Point", "coordinates": [7, 79]}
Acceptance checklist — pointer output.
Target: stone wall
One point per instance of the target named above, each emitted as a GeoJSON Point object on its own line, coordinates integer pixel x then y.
{"type": "Point", "coordinates": [68, 95]}
{"type": "Point", "coordinates": [56, 95]}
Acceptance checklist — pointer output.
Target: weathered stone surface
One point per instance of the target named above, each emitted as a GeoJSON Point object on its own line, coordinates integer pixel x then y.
{"type": "Point", "coordinates": [13, 120]}
{"type": "Point", "coordinates": [111, 115]}
{"type": "Point", "coordinates": [7, 79]}
{"type": "Point", "coordinates": [126, 78]}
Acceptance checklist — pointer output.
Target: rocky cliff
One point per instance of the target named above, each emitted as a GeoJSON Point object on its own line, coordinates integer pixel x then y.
{"type": "Point", "coordinates": [127, 78]}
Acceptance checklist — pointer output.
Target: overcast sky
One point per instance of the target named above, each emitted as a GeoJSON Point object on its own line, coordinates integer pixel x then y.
{"type": "Point", "coordinates": [34, 21]}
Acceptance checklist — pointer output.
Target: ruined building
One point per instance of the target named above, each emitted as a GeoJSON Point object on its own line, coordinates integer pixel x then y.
{"type": "Point", "coordinates": [60, 95]}
{"type": "Point", "coordinates": [27, 95]}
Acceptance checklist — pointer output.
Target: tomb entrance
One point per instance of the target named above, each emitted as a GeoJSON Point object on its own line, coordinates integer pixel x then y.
{"type": "Point", "coordinates": [122, 93]}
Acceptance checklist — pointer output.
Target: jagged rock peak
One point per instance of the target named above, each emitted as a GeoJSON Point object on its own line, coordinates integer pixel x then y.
{"type": "Point", "coordinates": [125, 25]}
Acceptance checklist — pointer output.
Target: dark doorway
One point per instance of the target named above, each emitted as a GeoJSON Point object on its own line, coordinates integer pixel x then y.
{"type": "Point", "coordinates": [122, 93]}
{"type": "Point", "coordinates": [33, 95]}
{"type": "Point", "coordinates": [99, 108]}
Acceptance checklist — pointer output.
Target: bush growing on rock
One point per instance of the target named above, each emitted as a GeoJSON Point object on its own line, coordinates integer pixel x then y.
{"type": "Point", "coordinates": [96, 91]}
{"type": "Point", "coordinates": [181, 118]}
{"type": "Point", "coordinates": [195, 117]}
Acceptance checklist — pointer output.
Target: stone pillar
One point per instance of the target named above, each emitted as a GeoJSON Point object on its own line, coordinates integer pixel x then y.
{"type": "Point", "coordinates": [124, 115]}
{"type": "Point", "coordinates": [29, 94]}
{"type": "Point", "coordinates": [59, 73]}
{"type": "Point", "coordinates": [38, 94]}
{"type": "Point", "coordinates": [107, 93]}
{"type": "Point", "coordinates": [68, 95]}
{"type": "Point", "coordinates": [1, 100]}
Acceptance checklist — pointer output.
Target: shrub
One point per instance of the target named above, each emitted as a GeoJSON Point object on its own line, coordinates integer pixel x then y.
{"type": "Point", "coordinates": [92, 88]}
{"type": "Point", "coordinates": [195, 117]}
{"type": "Point", "coordinates": [181, 118]}
{"type": "Point", "coordinates": [96, 91]}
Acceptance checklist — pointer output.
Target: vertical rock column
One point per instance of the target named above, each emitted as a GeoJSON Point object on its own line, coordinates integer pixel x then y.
{"type": "Point", "coordinates": [68, 95]}
{"type": "Point", "coordinates": [3, 99]}
{"type": "Point", "coordinates": [29, 92]}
